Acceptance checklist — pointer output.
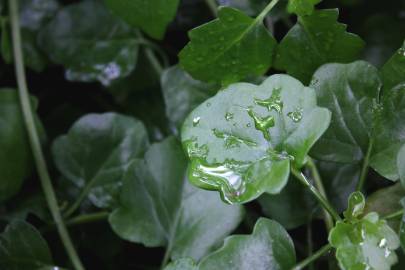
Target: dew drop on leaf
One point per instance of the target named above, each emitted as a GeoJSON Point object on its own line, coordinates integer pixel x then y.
{"type": "Point", "coordinates": [228, 116]}
{"type": "Point", "coordinates": [196, 121]}
{"type": "Point", "coordinates": [262, 123]}
{"type": "Point", "coordinates": [295, 115]}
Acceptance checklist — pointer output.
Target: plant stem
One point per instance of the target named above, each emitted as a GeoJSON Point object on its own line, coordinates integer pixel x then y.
{"type": "Point", "coordinates": [151, 56]}
{"type": "Point", "coordinates": [322, 200]}
{"type": "Point", "coordinates": [312, 258]}
{"type": "Point", "coordinates": [319, 185]}
{"type": "Point", "coordinates": [34, 138]}
{"type": "Point", "coordinates": [87, 218]}
{"type": "Point", "coordinates": [212, 5]}
{"type": "Point", "coordinates": [364, 169]}
{"type": "Point", "coordinates": [266, 10]}
{"type": "Point", "coordinates": [394, 215]}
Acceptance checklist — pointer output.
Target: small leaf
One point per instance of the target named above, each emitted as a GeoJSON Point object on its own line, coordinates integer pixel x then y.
{"type": "Point", "coordinates": [350, 92]}
{"type": "Point", "coordinates": [366, 243]}
{"type": "Point", "coordinates": [393, 72]}
{"type": "Point", "coordinates": [152, 16]}
{"type": "Point", "coordinates": [88, 49]}
{"type": "Point", "coordinates": [182, 93]}
{"type": "Point", "coordinates": [96, 152]}
{"type": "Point", "coordinates": [321, 39]}
{"type": "Point", "coordinates": [229, 48]}
{"type": "Point", "coordinates": [174, 218]}
{"type": "Point", "coordinates": [22, 247]}
{"type": "Point", "coordinates": [182, 264]}
{"type": "Point", "coordinates": [269, 247]}
{"type": "Point", "coordinates": [15, 156]}
{"type": "Point", "coordinates": [356, 204]}
{"type": "Point", "coordinates": [241, 141]}
{"type": "Point", "coordinates": [302, 7]}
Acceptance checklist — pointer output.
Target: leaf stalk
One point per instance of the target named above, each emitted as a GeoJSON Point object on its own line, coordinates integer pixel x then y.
{"type": "Point", "coordinates": [312, 258]}
{"type": "Point", "coordinates": [364, 169]}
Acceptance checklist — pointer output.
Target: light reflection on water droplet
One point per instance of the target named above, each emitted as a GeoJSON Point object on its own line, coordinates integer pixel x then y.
{"type": "Point", "coordinates": [196, 121]}
{"type": "Point", "coordinates": [295, 115]}
{"type": "Point", "coordinates": [208, 104]}
{"type": "Point", "coordinates": [262, 123]}
{"type": "Point", "coordinates": [274, 102]}
{"type": "Point", "coordinates": [228, 116]}
{"type": "Point", "coordinates": [382, 243]}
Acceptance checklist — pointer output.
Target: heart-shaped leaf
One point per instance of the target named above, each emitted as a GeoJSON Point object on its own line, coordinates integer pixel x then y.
{"type": "Point", "coordinates": [269, 247]}
{"type": "Point", "coordinates": [393, 72]}
{"type": "Point", "coordinates": [302, 7]}
{"type": "Point", "coordinates": [152, 16]}
{"type": "Point", "coordinates": [350, 92]}
{"type": "Point", "coordinates": [241, 141]}
{"type": "Point", "coordinates": [96, 152]}
{"type": "Point", "coordinates": [321, 39]}
{"type": "Point", "coordinates": [229, 48]}
{"type": "Point", "coordinates": [175, 208]}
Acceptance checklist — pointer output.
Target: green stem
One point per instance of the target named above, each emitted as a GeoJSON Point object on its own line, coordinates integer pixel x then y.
{"type": "Point", "coordinates": [212, 5]}
{"type": "Point", "coordinates": [394, 215]}
{"type": "Point", "coordinates": [312, 258]}
{"type": "Point", "coordinates": [87, 218]}
{"type": "Point", "coordinates": [83, 194]}
{"type": "Point", "coordinates": [364, 169]}
{"type": "Point", "coordinates": [151, 56]}
{"type": "Point", "coordinates": [322, 200]}
{"type": "Point", "coordinates": [266, 10]}
{"type": "Point", "coordinates": [34, 138]}
{"type": "Point", "coordinates": [319, 185]}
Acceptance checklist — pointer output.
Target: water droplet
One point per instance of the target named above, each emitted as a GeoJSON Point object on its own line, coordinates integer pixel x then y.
{"type": "Point", "coordinates": [274, 102]}
{"type": "Point", "coordinates": [295, 115]}
{"type": "Point", "coordinates": [248, 125]}
{"type": "Point", "coordinates": [232, 141]}
{"type": "Point", "coordinates": [196, 121]}
{"type": "Point", "coordinates": [262, 123]}
{"type": "Point", "coordinates": [228, 116]}
{"type": "Point", "coordinates": [208, 104]}
{"type": "Point", "coordinates": [382, 243]}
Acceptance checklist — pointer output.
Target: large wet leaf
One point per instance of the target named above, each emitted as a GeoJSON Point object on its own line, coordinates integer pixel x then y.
{"type": "Point", "coordinates": [182, 93]}
{"type": "Point", "coordinates": [88, 49]}
{"type": "Point", "coordinates": [151, 16]}
{"type": "Point", "coordinates": [350, 92]}
{"type": "Point", "coordinates": [393, 72]}
{"type": "Point", "coordinates": [185, 219]}
{"type": "Point", "coordinates": [315, 40]}
{"type": "Point", "coordinates": [243, 141]}
{"type": "Point", "coordinates": [229, 48]}
{"type": "Point", "coordinates": [96, 152]}
{"type": "Point", "coordinates": [22, 247]}
{"type": "Point", "coordinates": [269, 247]}
{"type": "Point", "coordinates": [15, 156]}
{"type": "Point", "coordinates": [363, 242]}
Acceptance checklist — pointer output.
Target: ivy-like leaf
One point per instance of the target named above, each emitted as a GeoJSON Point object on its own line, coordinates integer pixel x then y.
{"type": "Point", "coordinates": [321, 39]}
{"type": "Point", "coordinates": [269, 247]}
{"type": "Point", "coordinates": [22, 247]}
{"type": "Point", "coordinates": [175, 208]}
{"type": "Point", "coordinates": [241, 141]}
{"type": "Point", "coordinates": [15, 155]}
{"type": "Point", "coordinates": [96, 152]}
{"type": "Point", "coordinates": [88, 49]}
{"type": "Point", "coordinates": [393, 72]}
{"type": "Point", "coordinates": [350, 92]}
{"type": "Point", "coordinates": [302, 7]}
{"type": "Point", "coordinates": [389, 133]}
{"type": "Point", "coordinates": [151, 16]}
{"type": "Point", "coordinates": [229, 48]}
{"type": "Point", "coordinates": [182, 93]}
{"type": "Point", "coordinates": [366, 242]}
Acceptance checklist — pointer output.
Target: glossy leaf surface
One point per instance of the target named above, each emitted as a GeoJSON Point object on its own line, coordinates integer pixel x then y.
{"type": "Point", "coordinates": [393, 72]}
{"type": "Point", "coordinates": [88, 49]}
{"type": "Point", "coordinates": [321, 39]}
{"type": "Point", "coordinates": [96, 152]}
{"type": "Point", "coordinates": [151, 16]}
{"type": "Point", "coordinates": [187, 220]}
{"type": "Point", "coordinates": [350, 92]}
{"type": "Point", "coordinates": [22, 247]}
{"type": "Point", "coordinates": [229, 48]}
{"type": "Point", "coordinates": [241, 141]}
{"type": "Point", "coordinates": [269, 247]}
{"type": "Point", "coordinates": [302, 7]}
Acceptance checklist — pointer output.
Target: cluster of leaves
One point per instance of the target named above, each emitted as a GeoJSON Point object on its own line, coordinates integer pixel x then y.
{"type": "Point", "coordinates": [211, 163]}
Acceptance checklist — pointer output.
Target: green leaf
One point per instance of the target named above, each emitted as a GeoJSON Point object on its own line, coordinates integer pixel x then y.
{"type": "Point", "coordinates": [229, 48]}
{"type": "Point", "coordinates": [401, 165]}
{"type": "Point", "coordinates": [15, 155]}
{"type": "Point", "coordinates": [389, 135]}
{"type": "Point", "coordinates": [158, 184]}
{"type": "Point", "coordinates": [182, 93]}
{"type": "Point", "coordinates": [302, 7]}
{"type": "Point", "coordinates": [350, 92]}
{"type": "Point", "coordinates": [315, 40]}
{"type": "Point", "coordinates": [151, 16]}
{"type": "Point", "coordinates": [366, 243]}
{"type": "Point", "coordinates": [88, 49]}
{"type": "Point", "coordinates": [269, 247]}
{"type": "Point", "coordinates": [22, 247]}
{"type": "Point", "coordinates": [241, 141]}
{"type": "Point", "coordinates": [182, 264]}
{"type": "Point", "coordinates": [96, 152]}
{"type": "Point", "coordinates": [393, 72]}
{"type": "Point", "coordinates": [355, 207]}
